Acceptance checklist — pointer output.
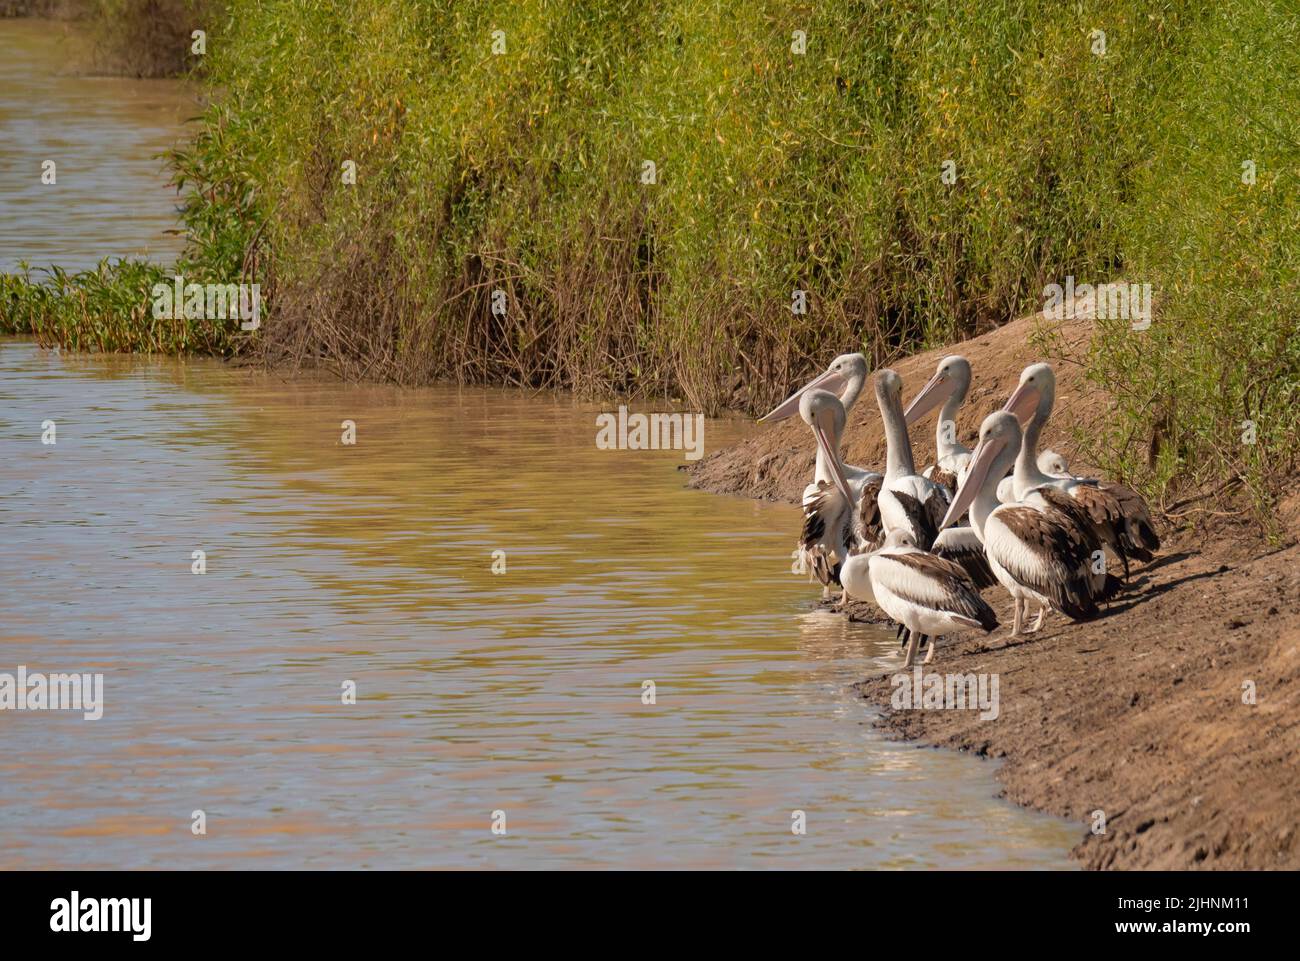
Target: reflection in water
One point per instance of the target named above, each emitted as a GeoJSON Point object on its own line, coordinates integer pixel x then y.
{"type": "Point", "coordinates": [104, 134]}
{"type": "Point", "coordinates": [477, 692]}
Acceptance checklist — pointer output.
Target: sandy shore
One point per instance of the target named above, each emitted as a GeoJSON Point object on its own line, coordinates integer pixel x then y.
{"type": "Point", "coordinates": [1143, 714]}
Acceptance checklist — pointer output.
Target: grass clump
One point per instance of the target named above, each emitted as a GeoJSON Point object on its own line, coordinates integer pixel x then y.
{"type": "Point", "coordinates": [521, 173]}
{"type": "Point", "coordinates": [105, 309]}
{"type": "Point", "coordinates": [1208, 398]}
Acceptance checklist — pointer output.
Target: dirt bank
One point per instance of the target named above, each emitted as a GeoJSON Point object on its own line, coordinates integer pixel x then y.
{"type": "Point", "coordinates": [1139, 714]}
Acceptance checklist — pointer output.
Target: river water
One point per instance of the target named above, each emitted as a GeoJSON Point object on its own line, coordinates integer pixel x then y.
{"type": "Point", "coordinates": [103, 135]}
{"type": "Point", "coordinates": [371, 563]}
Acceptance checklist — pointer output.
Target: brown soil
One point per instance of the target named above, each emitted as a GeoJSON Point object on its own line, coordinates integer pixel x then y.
{"type": "Point", "coordinates": [1140, 714]}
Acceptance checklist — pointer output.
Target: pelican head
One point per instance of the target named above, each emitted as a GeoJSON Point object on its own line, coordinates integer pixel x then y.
{"type": "Point", "coordinates": [822, 411]}
{"type": "Point", "coordinates": [996, 451]}
{"type": "Point", "coordinates": [889, 386]}
{"type": "Point", "coordinates": [899, 537]}
{"type": "Point", "coordinates": [845, 376]}
{"type": "Point", "coordinates": [1035, 394]}
{"type": "Point", "coordinates": [1050, 462]}
{"type": "Point", "coordinates": [951, 379]}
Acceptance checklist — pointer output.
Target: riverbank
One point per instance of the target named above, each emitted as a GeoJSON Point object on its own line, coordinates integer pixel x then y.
{"type": "Point", "coordinates": [1139, 714]}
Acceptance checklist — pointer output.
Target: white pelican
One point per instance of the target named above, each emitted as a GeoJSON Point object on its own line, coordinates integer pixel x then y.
{"type": "Point", "coordinates": [928, 596]}
{"type": "Point", "coordinates": [1036, 553]}
{"type": "Point", "coordinates": [832, 525]}
{"type": "Point", "coordinates": [948, 386]}
{"type": "Point", "coordinates": [846, 376]}
{"type": "Point", "coordinates": [846, 373]}
{"type": "Point", "coordinates": [1120, 515]}
{"type": "Point", "coordinates": [908, 501]}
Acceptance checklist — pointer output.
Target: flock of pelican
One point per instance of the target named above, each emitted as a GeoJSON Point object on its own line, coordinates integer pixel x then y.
{"type": "Point", "coordinates": [1027, 523]}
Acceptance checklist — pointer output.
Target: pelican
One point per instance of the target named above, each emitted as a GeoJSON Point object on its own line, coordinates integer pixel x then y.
{"type": "Point", "coordinates": [928, 596]}
{"type": "Point", "coordinates": [846, 375]}
{"type": "Point", "coordinates": [907, 500]}
{"type": "Point", "coordinates": [1119, 514]}
{"type": "Point", "coordinates": [1139, 533]}
{"type": "Point", "coordinates": [948, 386]}
{"type": "Point", "coordinates": [831, 524]}
{"type": "Point", "coordinates": [1037, 553]}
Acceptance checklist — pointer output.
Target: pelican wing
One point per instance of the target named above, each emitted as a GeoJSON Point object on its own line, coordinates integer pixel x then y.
{"type": "Point", "coordinates": [962, 546]}
{"type": "Point", "coordinates": [944, 478]}
{"type": "Point", "coordinates": [814, 513]}
{"type": "Point", "coordinates": [821, 566]}
{"type": "Point", "coordinates": [1046, 555]}
{"type": "Point", "coordinates": [1139, 530]}
{"type": "Point", "coordinates": [914, 504]}
{"type": "Point", "coordinates": [932, 582]}
{"type": "Point", "coordinates": [823, 514]}
{"type": "Point", "coordinates": [1102, 507]}
{"type": "Point", "coordinates": [900, 509]}
{"type": "Point", "coordinates": [1073, 511]}
{"type": "Point", "coordinates": [867, 531]}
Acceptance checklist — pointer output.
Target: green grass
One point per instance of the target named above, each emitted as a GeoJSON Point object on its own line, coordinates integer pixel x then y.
{"type": "Point", "coordinates": [520, 173]}
{"type": "Point", "coordinates": [108, 308]}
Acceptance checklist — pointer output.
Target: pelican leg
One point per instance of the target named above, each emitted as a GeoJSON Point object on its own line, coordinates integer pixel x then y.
{"type": "Point", "coordinates": [929, 655]}
{"type": "Point", "coordinates": [1038, 621]}
{"type": "Point", "coordinates": [839, 605]}
{"type": "Point", "coordinates": [913, 642]}
{"type": "Point", "coordinates": [1017, 618]}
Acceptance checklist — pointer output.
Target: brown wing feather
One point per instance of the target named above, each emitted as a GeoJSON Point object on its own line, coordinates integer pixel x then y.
{"type": "Point", "coordinates": [922, 516]}
{"type": "Point", "coordinates": [1139, 529]}
{"type": "Point", "coordinates": [814, 518]}
{"type": "Point", "coordinates": [1077, 512]}
{"type": "Point", "coordinates": [972, 560]}
{"type": "Point", "coordinates": [959, 594]}
{"type": "Point", "coordinates": [946, 479]}
{"type": "Point", "coordinates": [1064, 552]}
{"type": "Point", "coordinates": [867, 532]}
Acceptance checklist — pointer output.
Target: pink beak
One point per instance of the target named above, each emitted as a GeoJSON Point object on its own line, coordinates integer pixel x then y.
{"type": "Point", "coordinates": [830, 380]}
{"type": "Point", "coordinates": [1023, 403]}
{"type": "Point", "coordinates": [981, 463]}
{"type": "Point", "coordinates": [932, 395]}
{"type": "Point", "coordinates": [833, 458]}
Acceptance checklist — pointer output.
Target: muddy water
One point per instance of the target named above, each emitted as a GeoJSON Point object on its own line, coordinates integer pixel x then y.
{"type": "Point", "coordinates": [326, 563]}
{"type": "Point", "coordinates": [477, 692]}
{"type": "Point", "coordinates": [110, 196]}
